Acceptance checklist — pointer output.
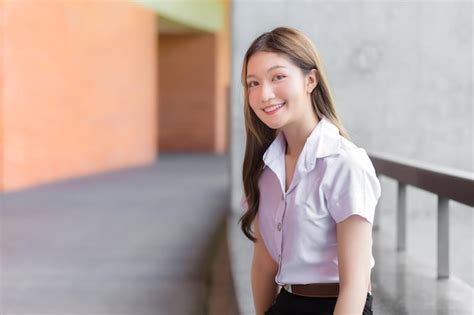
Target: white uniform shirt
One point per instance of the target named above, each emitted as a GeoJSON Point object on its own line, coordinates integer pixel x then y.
{"type": "Point", "coordinates": [333, 179]}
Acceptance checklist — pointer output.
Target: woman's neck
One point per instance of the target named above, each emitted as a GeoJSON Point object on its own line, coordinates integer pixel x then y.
{"type": "Point", "coordinates": [297, 133]}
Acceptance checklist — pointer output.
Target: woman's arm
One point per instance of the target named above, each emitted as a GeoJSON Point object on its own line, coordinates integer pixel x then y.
{"type": "Point", "coordinates": [264, 270]}
{"type": "Point", "coordinates": [354, 238]}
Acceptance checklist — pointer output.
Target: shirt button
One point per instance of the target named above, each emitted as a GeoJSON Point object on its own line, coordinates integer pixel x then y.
{"type": "Point", "coordinates": [279, 256]}
{"type": "Point", "coordinates": [279, 226]}
{"type": "Point", "coordinates": [282, 196]}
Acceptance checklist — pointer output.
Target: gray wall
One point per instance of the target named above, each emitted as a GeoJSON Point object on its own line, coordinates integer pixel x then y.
{"type": "Point", "coordinates": [401, 76]}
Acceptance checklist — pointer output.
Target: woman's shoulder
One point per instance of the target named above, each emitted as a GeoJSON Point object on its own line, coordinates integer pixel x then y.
{"type": "Point", "coordinates": [349, 173]}
{"type": "Point", "coordinates": [350, 156]}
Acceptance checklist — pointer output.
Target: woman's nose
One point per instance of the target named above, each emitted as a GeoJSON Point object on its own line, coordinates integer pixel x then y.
{"type": "Point", "coordinates": [267, 93]}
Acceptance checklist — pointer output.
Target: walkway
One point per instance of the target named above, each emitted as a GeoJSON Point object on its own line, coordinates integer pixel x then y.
{"type": "Point", "coordinates": [136, 242]}
{"type": "Point", "coordinates": [152, 240]}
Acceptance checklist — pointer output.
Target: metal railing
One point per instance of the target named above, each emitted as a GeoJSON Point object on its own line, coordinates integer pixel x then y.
{"type": "Point", "coordinates": [446, 183]}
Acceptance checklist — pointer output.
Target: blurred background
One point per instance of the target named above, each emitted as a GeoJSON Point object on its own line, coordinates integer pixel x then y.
{"type": "Point", "coordinates": [122, 137]}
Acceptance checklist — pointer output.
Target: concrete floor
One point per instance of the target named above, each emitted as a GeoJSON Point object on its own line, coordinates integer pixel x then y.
{"type": "Point", "coordinates": [135, 242]}
{"type": "Point", "coordinates": [151, 240]}
{"type": "Point", "coordinates": [403, 285]}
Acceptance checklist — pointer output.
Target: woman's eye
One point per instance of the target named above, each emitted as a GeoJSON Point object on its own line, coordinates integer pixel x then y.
{"type": "Point", "coordinates": [251, 84]}
{"type": "Point", "coordinates": [279, 77]}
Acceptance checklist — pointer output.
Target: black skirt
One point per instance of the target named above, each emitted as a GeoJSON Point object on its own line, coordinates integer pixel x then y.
{"type": "Point", "coordinates": [288, 303]}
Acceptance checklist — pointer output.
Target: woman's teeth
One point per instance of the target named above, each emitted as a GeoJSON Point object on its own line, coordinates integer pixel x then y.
{"type": "Point", "coordinates": [272, 108]}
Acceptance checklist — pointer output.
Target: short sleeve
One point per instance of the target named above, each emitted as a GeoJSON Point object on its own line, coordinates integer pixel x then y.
{"type": "Point", "coordinates": [355, 189]}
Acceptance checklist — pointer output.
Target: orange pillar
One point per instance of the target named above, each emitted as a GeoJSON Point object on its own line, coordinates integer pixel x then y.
{"type": "Point", "coordinates": [78, 89]}
{"type": "Point", "coordinates": [1, 98]}
{"type": "Point", "coordinates": [222, 104]}
{"type": "Point", "coordinates": [187, 86]}
{"type": "Point", "coordinates": [194, 82]}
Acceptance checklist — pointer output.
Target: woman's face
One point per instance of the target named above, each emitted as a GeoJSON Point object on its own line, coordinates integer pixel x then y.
{"type": "Point", "coordinates": [277, 89]}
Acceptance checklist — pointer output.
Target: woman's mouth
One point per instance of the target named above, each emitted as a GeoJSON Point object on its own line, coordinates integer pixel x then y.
{"type": "Point", "coordinates": [273, 108]}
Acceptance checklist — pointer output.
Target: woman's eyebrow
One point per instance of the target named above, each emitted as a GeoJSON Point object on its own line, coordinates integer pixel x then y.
{"type": "Point", "coordinates": [269, 69]}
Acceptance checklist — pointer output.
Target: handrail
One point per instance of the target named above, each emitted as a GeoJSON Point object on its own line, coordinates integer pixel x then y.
{"type": "Point", "coordinates": [447, 183]}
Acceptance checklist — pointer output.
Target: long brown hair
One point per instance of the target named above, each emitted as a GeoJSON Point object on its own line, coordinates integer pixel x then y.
{"type": "Point", "coordinates": [301, 51]}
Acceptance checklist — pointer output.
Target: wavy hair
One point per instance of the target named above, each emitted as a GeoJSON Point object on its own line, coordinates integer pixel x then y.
{"type": "Point", "coordinates": [300, 50]}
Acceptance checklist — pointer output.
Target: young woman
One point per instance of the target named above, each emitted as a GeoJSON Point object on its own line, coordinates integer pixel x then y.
{"type": "Point", "coordinates": [310, 193]}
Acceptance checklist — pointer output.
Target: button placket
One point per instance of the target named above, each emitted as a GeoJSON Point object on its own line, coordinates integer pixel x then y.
{"type": "Point", "coordinates": [279, 228]}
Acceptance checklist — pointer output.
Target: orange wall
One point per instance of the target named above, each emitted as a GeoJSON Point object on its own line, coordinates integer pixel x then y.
{"type": "Point", "coordinates": [222, 72]}
{"type": "Point", "coordinates": [186, 92]}
{"type": "Point", "coordinates": [1, 97]}
{"type": "Point", "coordinates": [79, 89]}
{"type": "Point", "coordinates": [194, 76]}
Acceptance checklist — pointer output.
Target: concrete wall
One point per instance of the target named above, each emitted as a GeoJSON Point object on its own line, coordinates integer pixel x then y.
{"type": "Point", "coordinates": [400, 72]}
{"type": "Point", "coordinates": [401, 76]}
{"type": "Point", "coordinates": [78, 91]}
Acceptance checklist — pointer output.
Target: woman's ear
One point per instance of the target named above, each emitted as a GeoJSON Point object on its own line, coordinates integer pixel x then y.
{"type": "Point", "coordinates": [312, 80]}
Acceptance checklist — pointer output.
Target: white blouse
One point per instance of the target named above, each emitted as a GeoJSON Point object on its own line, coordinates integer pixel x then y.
{"type": "Point", "coordinates": [333, 179]}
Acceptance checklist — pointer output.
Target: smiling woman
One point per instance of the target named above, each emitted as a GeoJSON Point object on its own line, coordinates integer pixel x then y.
{"type": "Point", "coordinates": [274, 85]}
{"type": "Point", "coordinates": [310, 193]}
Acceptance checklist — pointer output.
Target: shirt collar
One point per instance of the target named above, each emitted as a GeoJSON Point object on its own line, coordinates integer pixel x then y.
{"type": "Point", "coordinates": [324, 140]}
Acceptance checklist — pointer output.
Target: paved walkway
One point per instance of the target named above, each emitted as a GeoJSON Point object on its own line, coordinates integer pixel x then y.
{"type": "Point", "coordinates": [152, 240]}
{"type": "Point", "coordinates": [135, 242]}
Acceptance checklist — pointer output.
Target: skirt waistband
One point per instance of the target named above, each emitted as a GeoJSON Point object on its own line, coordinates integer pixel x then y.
{"type": "Point", "coordinates": [316, 289]}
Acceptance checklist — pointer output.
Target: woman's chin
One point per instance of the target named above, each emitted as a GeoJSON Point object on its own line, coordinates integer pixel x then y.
{"type": "Point", "coordinates": [274, 125]}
